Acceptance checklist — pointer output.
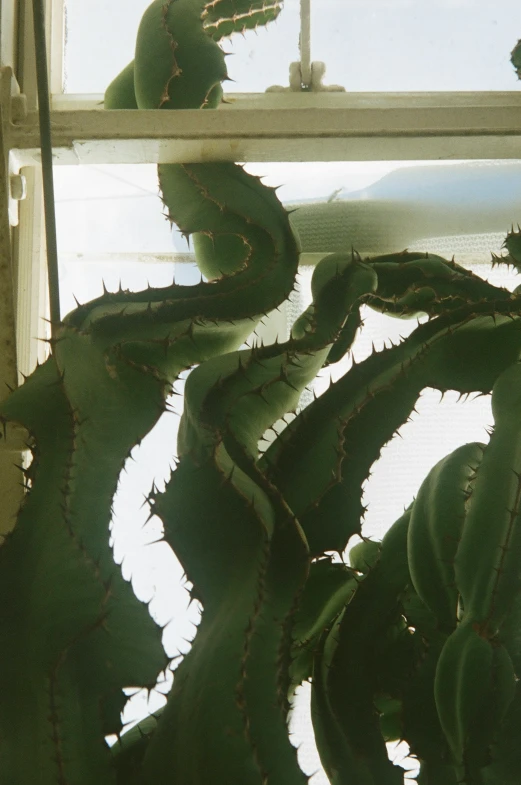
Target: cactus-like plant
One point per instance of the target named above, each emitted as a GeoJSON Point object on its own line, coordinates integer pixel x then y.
{"type": "Point", "coordinates": [512, 245]}
{"type": "Point", "coordinates": [418, 639]}
{"type": "Point", "coordinates": [515, 58]}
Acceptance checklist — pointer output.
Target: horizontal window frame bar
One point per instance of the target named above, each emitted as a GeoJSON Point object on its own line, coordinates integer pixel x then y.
{"type": "Point", "coordinates": [275, 99]}
{"type": "Point", "coordinates": [285, 127]}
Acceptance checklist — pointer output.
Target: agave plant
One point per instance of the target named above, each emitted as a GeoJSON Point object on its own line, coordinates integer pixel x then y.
{"type": "Point", "coordinates": [418, 638]}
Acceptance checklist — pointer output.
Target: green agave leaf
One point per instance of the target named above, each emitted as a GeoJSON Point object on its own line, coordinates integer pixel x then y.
{"type": "Point", "coordinates": [73, 634]}
{"type": "Point", "coordinates": [512, 245]}
{"type": "Point", "coordinates": [345, 428]}
{"type": "Point", "coordinates": [437, 522]}
{"type": "Point", "coordinates": [515, 58]}
{"type": "Point", "coordinates": [226, 9]}
{"type": "Point", "coordinates": [129, 750]}
{"type": "Point", "coordinates": [223, 17]}
{"type": "Point", "coordinates": [347, 686]}
{"type": "Point", "coordinates": [410, 283]}
{"type": "Point", "coordinates": [487, 557]}
{"type": "Point", "coordinates": [338, 758]}
{"type": "Point", "coordinates": [398, 653]}
{"type": "Point", "coordinates": [329, 588]}
{"type": "Point", "coordinates": [227, 710]}
{"type": "Point", "coordinates": [474, 685]}
{"type": "Point", "coordinates": [250, 589]}
{"type": "Point", "coordinates": [364, 555]}
{"type": "Point", "coordinates": [420, 723]}
{"type": "Point", "coordinates": [348, 425]}
{"type": "Point", "coordinates": [439, 775]}
{"type": "Point", "coordinates": [160, 318]}
{"type": "Point", "coordinates": [120, 94]}
{"type": "Point", "coordinates": [241, 231]}
{"type": "Point", "coordinates": [345, 339]}
{"type": "Point", "coordinates": [120, 353]}
{"type": "Point", "coordinates": [244, 394]}
{"type": "Point", "coordinates": [506, 751]}
{"type": "Point", "coordinates": [390, 711]}
{"type": "Point", "coordinates": [405, 676]}
{"type": "Point", "coordinates": [177, 64]}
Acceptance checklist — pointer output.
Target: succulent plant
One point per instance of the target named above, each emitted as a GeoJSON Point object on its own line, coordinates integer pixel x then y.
{"type": "Point", "coordinates": [512, 245]}
{"type": "Point", "coordinates": [515, 58]}
{"type": "Point", "coordinates": [417, 639]}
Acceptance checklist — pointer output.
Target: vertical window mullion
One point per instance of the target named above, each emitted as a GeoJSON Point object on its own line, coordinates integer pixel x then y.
{"type": "Point", "coordinates": [29, 237]}
{"type": "Point", "coordinates": [32, 297]}
{"type": "Point", "coordinates": [55, 25]}
{"type": "Point", "coordinates": [305, 42]}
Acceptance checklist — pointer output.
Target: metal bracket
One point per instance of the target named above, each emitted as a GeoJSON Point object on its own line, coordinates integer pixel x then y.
{"type": "Point", "coordinates": [13, 109]}
{"type": "Point", "coordinates": [315, 84]}
{"type": "Point", "coordinates": [306, 76]}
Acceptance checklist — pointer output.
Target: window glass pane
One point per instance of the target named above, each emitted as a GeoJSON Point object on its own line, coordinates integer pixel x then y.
{"type": "Point", "coordinates": [402, 45]}
{"type": "Point", "coordinates": [367, 45]}
{"type": "Point", "coordinates": [386, 206]}
{"type": "Point", "coordinates": [100, 41]}
{"type": "Point", "coordinates": [112, 214]}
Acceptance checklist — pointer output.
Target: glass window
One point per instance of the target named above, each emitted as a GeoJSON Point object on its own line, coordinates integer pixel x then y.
{"type": "Point", "coordinates": [257, 59]}
{"type": "Point", "coordinates": [367, 45]}
{"type": "Point", "coordinates": [405, 45]}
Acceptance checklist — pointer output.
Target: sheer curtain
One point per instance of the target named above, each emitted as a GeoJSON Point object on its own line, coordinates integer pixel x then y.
{"type": "Point", "coordinates": [417, 206]}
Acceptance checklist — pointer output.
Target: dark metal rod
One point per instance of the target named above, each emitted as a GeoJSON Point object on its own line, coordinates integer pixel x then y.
{"type": "Point", "coordinates": [44, 110]}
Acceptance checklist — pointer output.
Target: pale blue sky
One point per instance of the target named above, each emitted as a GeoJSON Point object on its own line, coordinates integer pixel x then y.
{"type": "Point", "coordinates": [368, 45]}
